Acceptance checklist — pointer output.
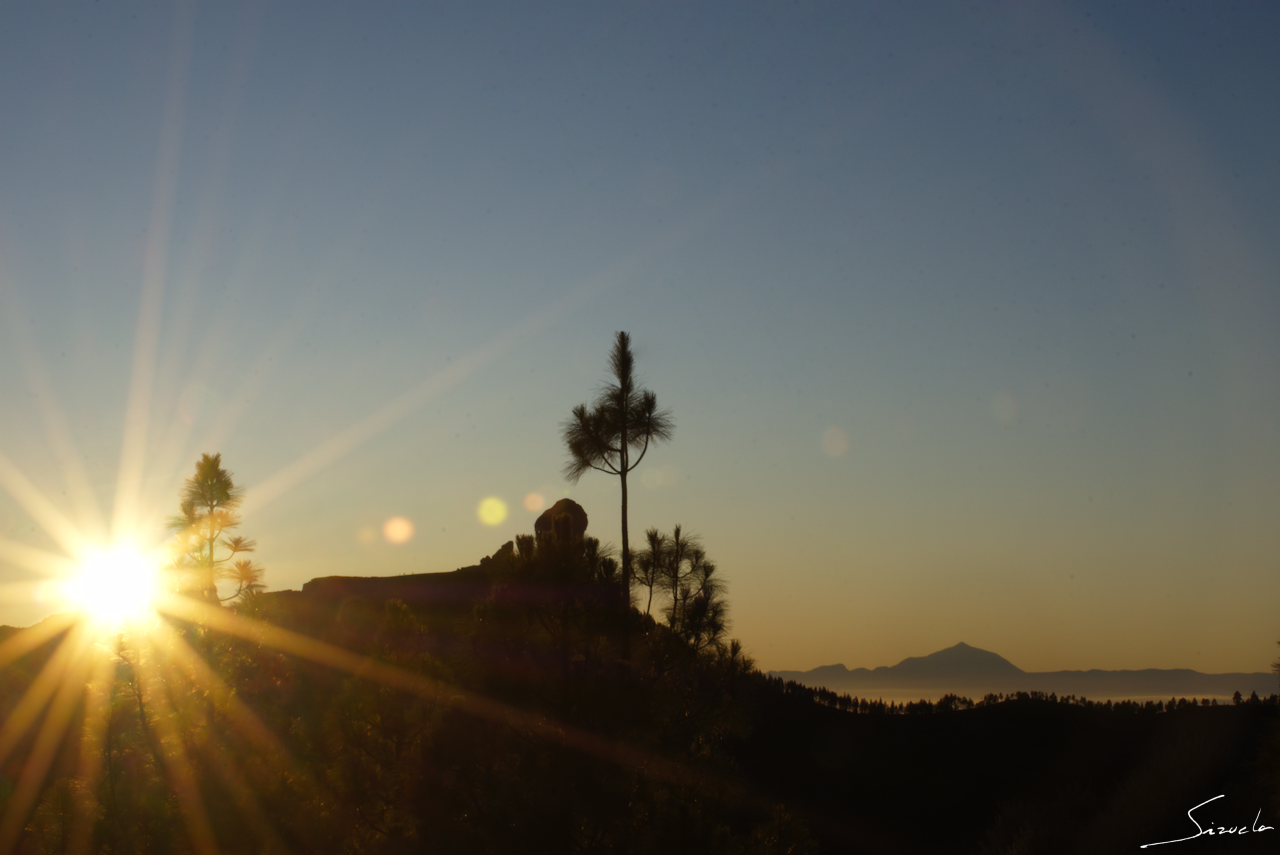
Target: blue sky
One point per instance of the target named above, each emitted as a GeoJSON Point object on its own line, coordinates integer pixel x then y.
{"type": "Point", "coordinates": [967, 315]}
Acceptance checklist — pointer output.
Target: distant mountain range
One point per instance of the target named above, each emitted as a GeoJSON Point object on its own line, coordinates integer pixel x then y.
{"type": "Point", "coordinates": [971, 672]}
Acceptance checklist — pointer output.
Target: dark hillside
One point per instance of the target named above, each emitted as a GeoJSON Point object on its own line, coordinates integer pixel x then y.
{"type": "Point", "coordinates": [1059, 777]}
{"type": "Point", "coordinates": [1021, 775]}
{"type": "Point", "coordinates": [518, 727]}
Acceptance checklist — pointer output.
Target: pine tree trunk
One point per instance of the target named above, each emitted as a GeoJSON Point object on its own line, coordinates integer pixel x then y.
{"type": "Point", "coordinates": [626, 546]}
{"type": "Point", "coordinates": [626, 576]}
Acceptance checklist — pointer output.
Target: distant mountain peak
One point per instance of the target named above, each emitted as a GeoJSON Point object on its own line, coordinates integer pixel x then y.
{"type": "Point", "coordinates": [960, 660]}
{"type": "Point", "coordinates": [970, 670]}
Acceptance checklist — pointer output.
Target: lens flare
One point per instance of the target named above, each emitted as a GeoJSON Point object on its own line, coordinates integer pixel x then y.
{"type": "Point", "coordinates": [660, 476]}
{"type": "Point", "coordinates": [835, 442]}
{"type": "Point", "coordinates": [492, 511]}
{"type": "Point", "coordinates": [1005, 408]}
{"type": "Point", "coordinates": [534, 502]}
{"type": "Point", "coordinates": [397, 530]}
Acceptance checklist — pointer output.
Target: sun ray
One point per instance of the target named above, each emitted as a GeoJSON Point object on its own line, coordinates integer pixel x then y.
{"type": "Point", "coordinates": [26, 640]}
{"type": "Point", "coordinates": [254, 381]}
{"type": "Point", "coordinates": [336, 447]}
{"type": "Point", "coordinates": [56, 429]}
{"type": "Point", "coordinates": [35, 597]}
{"type": "Point", "coordinates": [241, 716]}
{"type": "Point", "coordinates": [365, 667]}
{"type": "Point", "coordinates": [43, 590]}
{"type": "Point", "coordinates": [329, 451]}
{"type": "Point", "coordinates": [243, 794]}
{"type": "Point", "coordinates": [177, 764]}
{"type": "Point", "coordinates": [34, 558]}
{"type": "Point", "coordinates": [40, 508]}
{"type": "Point", "coordinates": [34, 700]}
{"type": "Point", "coordinates": [133, 451]}
{"type": "Point", "coordinates": [48, 740]}
{"type": "Point", "coordinates": [93, 741]}
{"type": "Point", "coordinates": [171, 679]}
{"type": "Point", "coordinates": [183, 659]}
{"type": "Point", "coordinates": [200, 674]}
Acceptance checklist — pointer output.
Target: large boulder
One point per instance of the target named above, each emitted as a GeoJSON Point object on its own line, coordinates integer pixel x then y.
{"type": "Point", "coordinates": [576, 522]}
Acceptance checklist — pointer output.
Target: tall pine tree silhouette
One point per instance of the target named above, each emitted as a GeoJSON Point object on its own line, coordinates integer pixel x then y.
{"type": "Point", "coordinates": [622, 421]}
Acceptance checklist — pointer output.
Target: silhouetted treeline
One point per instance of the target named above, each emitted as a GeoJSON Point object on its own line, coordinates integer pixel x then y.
{"type": "Point", "coordinates": [953, 703]}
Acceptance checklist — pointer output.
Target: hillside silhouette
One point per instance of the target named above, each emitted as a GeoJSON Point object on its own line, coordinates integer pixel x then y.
{"type": "Point", "coordinates": [675, 753]}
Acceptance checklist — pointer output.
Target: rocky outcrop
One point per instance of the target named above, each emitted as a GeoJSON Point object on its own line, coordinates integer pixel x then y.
{"type": "Point", "coordinates": [577, 524]}
{"type": "Point", "coordinates": [566, 518]}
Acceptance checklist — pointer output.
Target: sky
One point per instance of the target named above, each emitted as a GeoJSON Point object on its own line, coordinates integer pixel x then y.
{"type": "Point", "coordinates": [968, 315]}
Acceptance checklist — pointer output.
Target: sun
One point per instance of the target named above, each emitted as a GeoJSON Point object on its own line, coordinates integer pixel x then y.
{"type": "Point", "coordinates": [114, 585]}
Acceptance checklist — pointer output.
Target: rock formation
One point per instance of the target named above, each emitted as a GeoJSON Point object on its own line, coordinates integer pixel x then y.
{"type": "Point", "coordinates": [577, 519]}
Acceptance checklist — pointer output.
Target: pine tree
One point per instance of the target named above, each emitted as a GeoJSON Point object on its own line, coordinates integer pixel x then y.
{"type": "Point", "coordinates": [623, 420]}
{"type": "Point", "coordinates": [204, 554]}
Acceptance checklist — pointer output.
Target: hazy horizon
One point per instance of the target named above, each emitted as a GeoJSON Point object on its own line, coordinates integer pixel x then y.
{"type": "Point", "coordinates": [850, 667]}
{"type": "Point", "coordinates": [1024, 670]}
{"type": "Point", "coordinates": [968, 320]}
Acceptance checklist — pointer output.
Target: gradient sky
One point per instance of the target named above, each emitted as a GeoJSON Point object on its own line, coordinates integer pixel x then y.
{"type": "Point", "coordinates": [968, 316]}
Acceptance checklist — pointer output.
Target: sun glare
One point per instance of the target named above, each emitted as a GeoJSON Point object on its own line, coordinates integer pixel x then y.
{"type": "Point", "coordinates": [114, 585]}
